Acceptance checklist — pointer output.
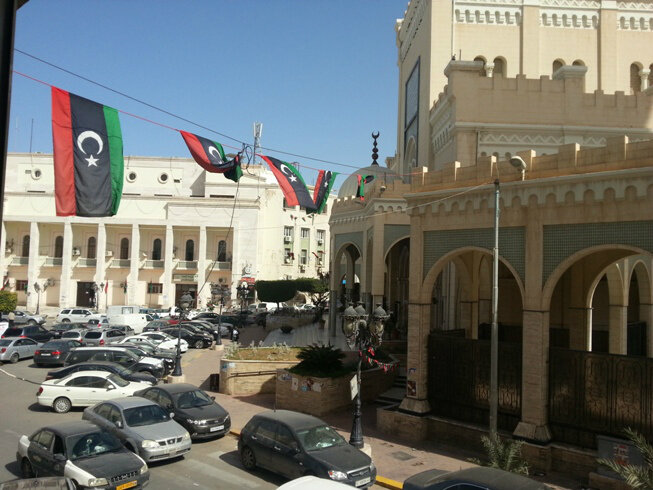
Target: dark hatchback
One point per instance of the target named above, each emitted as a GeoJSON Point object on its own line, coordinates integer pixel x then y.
{"type": "Point", "coordinates": [294, 444]}
{"type": "Point", "coordinates": [478, 478]}
{"type": "Point", "coordinates": [54, 352]}
{"type": "Point", "coordinates": [196, 411]}
{"type": "Point", "coordinates": [116, 354]}
{"type": "Point", "coordinates": [58, 329]}
{"type": "Point", "coordinates": [197, 340]}
{"type": "Point", "coordinates": [91, 457]}
{"type": "Point", "coordinates": [34, 332]}
{"type": "Point", "coordinates": [122, 371]}
{"type": "Point", "coordinates": [144, 350]}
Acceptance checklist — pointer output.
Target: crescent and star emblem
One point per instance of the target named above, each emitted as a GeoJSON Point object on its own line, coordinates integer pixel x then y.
{"type": "Point", "coordinates": [291, 176]}
{"type": "Point", "coordinates": [213, 151]}
{"type": "Point", "coordinates": [92, 161]}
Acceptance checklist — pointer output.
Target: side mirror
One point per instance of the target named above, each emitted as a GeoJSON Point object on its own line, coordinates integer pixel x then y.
{"type": "Point", "coordinates": [118, 424]}
{"type": "Point", "coordinates": [172, 415]}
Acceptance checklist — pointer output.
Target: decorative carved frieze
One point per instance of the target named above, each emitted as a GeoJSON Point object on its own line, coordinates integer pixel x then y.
{"type": "Point", "coordinates": [570, 19]}
{"type": "Point", "coordinates": [410, 25]}
{"type": "Point", "coordinates": [499, 12]}
{"type": "Point", "coordinates": [574, 4]}
{"type": "Point", "coordinates": [635, 21]}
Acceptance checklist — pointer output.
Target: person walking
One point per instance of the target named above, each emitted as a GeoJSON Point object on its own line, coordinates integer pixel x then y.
{"type": "Point", "coordinates": [11, 317]}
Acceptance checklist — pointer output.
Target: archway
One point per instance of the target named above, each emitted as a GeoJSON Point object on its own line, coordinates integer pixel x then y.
{"type": "Point", "coordinates": [397, 264]}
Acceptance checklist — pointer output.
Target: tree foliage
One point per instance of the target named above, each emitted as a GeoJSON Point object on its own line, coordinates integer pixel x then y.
{"type": "Point", "coordinates": [504, 455]}
{"type": "Point", "coordinates": [8, 301]}
{"type": "Point", "coordinates": [322, 361]}
{"type": "Point", "coordinates": [636, 476]}
{"type": "Point", "coordinates": [276, 291]}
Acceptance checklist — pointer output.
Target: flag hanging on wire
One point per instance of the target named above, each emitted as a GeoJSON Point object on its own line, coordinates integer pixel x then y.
{"type": "Point", "coordinates": [210, 155]}
{"type": "Point", "coordinates": [323, 185]}
{"type": "Point", "coordinates": [291, 182]}
{"type": "Point", "coordinates": [88, 159]}
{"type": "Point", "coordinates": [362, 180]}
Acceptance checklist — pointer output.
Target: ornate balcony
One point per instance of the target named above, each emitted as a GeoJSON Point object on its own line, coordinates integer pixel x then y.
{"type": "Point", "coordinates": [53, 262]}
{"type": "Point", "coordinates": [122, 263]}
{"type": "Point", "coordinates": [187, 265]}
{"type": "Point", "coordinates": [154, 264]}
{"type": "Point", "coordinates": [85, 262]}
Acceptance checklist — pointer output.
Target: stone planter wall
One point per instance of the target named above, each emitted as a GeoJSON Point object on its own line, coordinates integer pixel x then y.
{"type": "Point", "coordinates": [250, 377]}
{"type": "Point", "coordinates": [318, 396]}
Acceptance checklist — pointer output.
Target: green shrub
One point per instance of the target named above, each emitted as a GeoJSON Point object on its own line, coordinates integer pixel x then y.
{"type": "Point", "coordinates": [8, 301]}
{"type": "Point", "coordinates": [504, 455]}
{"type": "Point", "coordinates": [321, 361]}
{"type": "Point", "coordinates": [276, 291]}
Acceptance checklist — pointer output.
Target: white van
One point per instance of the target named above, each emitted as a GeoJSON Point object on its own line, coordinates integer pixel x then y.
{"type": "Point", "coordinates": [136, 321]}
{"type": "Point", "coordinates": [122, 310]}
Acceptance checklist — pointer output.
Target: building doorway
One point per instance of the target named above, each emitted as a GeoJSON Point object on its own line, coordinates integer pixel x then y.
{"type": "Point", "coordinates": [85, 294]}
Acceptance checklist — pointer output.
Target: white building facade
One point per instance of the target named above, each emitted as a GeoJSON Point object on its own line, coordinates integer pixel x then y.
{"type": "Point", "coordinates": [178, 229]}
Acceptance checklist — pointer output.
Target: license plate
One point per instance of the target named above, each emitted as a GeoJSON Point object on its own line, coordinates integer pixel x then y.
{"type": "Point", "coordinates": [44, 354]}
{"type": "Point", "coordinates": [217, 427]}
{"type": "Point", "coordinates": [364, 481]}
{"type": "Point", "coordinates": [129, 484]}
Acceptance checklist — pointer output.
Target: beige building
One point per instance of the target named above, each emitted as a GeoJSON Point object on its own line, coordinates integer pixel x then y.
{"type": "Point", "coordinates": [575, 295]}
{"type": "Point", "coordinates": [178, 228]}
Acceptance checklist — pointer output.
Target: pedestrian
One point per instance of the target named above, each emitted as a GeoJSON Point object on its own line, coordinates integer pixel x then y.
{"type": "Point", "coordinates": [235, 334]}
{"type": "Point", "coordinates": [11, 317]}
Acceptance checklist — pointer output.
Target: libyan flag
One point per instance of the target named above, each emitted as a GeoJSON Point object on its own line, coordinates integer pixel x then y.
{"type": "Point", "coordinates": [88, 161]}
{"type": "Point", "coordinates": [362, 180]}
{"type": "Point", "coordinates": [210, 155]}
{"type": "Point", "coordinates": [325, 180]}
{"type": "Point", "coordinates": [291, 182]}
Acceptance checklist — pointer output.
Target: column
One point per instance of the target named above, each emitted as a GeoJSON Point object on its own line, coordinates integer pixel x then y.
{"type": "Point", "coordinates": [132, 280]}
{"type": "Point", "coordinates": [3, 249]}
{"type": "Point", "coordinates": [33, 266]}
{"type": "Point", "coordinates": [618, 333]}
{"type": "Point", "coordinates": [643, 76]}
{"type": "Point", "coordinates": [101, 265]}
{"type": "Point", "coordinates": [579, 320]}
{"type": "Point", "coordinates": [203, 286]}
{"type": "Point", "coordinates": [168, 286]}
{"type": "Point", "coordinates": [65, 298]}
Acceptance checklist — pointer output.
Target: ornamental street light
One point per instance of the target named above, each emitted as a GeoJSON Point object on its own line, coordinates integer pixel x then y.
{"type": "Point", "coordinates": [184, 303]}
{"type": "Point", "coordinates": [243, 293]}
{"type": "Point", "coordinates": [364, 335]}
{"type": "Point", "coordinates": [221, 291]}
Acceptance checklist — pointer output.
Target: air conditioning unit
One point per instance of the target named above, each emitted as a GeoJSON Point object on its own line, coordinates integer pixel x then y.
{"type": "Point", "coordinates": [286, 260]}
{"type": "Point", "coordinates": [76, 251]}
{"type": "Point", "coordinates": [320, 241]}
{"type": "Point", "coordinates": [287, 239]}
{"type": "Point", "coordinates": [109, 253]}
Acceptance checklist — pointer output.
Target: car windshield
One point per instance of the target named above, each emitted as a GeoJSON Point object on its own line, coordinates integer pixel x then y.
{"type": "Point", "coordinates": [320, 437]}
{"type": "Point", "coordinates": [190, 399]}
{"type": "Point", "coordinates": [91, 444]}
{"type": "Point", "coordinates": [148, 415]}
{"type": "Point", "coordinates": [5, 342]}
{"type": "Point", "coordinates": [53, 345]}
{"type": "Point", "coordinates": [119, 380]}
{"type": "Point", "coordinates": [148, 349]}
{"type": "Point", "coordinates": [70, 335]}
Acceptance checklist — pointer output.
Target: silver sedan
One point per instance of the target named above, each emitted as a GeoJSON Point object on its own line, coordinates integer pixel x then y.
{"type": "Point", "coordinates": [13, 349]}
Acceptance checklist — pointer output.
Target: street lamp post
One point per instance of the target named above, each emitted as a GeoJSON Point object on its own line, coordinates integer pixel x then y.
{"type": "Point", "coordinates": [220, 290]}
{"type": "Point", "coordinates": [184, 303]}
{"type": "Point", "coordinates": [364, 335]}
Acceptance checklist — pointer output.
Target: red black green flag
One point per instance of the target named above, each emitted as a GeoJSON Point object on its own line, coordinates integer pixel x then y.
{"type": "Point", "coordinates": [210, 155]}
{"type": "Point", "coordinates": [362, 180]}
{"type": "Point", "coordinates": [88, 161]}
{"type": "Point", "coordinates": [291, 182]}
{"type": "Point", "coordinates": [325, 181]}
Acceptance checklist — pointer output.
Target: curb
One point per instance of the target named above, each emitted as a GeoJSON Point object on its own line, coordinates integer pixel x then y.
{"type": "Point", "coordinates": [380, 480]}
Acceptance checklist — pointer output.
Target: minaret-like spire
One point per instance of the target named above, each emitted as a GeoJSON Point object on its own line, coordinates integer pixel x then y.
{"type": "Point", "coordinates": [375, 151]}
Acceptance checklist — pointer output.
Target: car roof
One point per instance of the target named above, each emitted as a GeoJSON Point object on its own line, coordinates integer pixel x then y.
{"type": "Point", "coordinates": [110, 347]}
{"type": "Point", "coordinates": [93, 363]}
{"type": "Point", "coordinates": [126, 402]}
{"type": "Point", "coordinates": [72, 428]}
{"type": "Point", "coordinates": [296, 420]}
{"type": "Point", "coordinates": [497, 479]}
{"type": "Point", "coordinates": [177, 388]}
{"type": "Point", "coordinates": [90, 372]}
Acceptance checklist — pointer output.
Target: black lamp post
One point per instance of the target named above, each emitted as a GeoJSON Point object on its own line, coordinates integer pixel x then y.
{"type": "Point", "coordinates": [184, 302]}
{"type": "Point", "coordinates": [363, 334]}
{"type": "Point", "coordinates": [37, 288]}
{"type": "Point", "coordinates": [220, 290]}
{"type": "Point", "coordinates": [243, 292]}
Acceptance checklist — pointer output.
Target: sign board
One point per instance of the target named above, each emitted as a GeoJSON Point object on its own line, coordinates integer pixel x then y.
{"type": "Point", "coordinates": [184, 278]}
{"type": "Point", "coordinates": [353, 387]}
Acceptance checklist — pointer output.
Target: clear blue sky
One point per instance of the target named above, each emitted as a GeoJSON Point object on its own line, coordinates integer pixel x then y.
{"type": "Point", "coordinates": [320, 75]}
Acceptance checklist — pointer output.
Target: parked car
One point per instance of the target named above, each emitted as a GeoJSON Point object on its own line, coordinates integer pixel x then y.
{"type": "Point", "coordinates": [100, 322]}
{"type": "Point", "coordinates": [196, 411]}
{"type": "Point", "coordinates": [103, 336]}
{"type": "Point", "coordinates": [75, 334]}
{"type": "Point", "coordinates": [212, 328]}
{"type": "Point", "coordinates": [83, 452]}
{"type": "Point", "coordinates": [123, 371]}
{"type": "Point", "coordinates": [54, 351]}
{"type": "Point", "coordinates": [49, 482]}
{"type": "Point", "coordinates": [196, 339]}
{"type": "Point", "coordinates": [146, 350]}
{"type": "Point", "coordinates": [125, 329]}
{"type": "Point", "coordinates": [79, 315]}
{"type": "Point", "coordinates": [142, 426]}
{"type": "Point", "coordinates": [58, 329]}
{"type": "Point", "coordinates": [34, 332]}
{"type": "Point", "coordinates": [294, 444]}
{"type": "Point", "coordinates": [156, 325]}
{"type": "Point", "coordinates": [119, 355]}
{"type": "Point", "coordinates": [314, 483]}
{"type": "Point", "coordinates": [13, 349]}
{"type": "Point", "coordinates": [161, 339]}
{"type": "Point", "coordinates": [85, 388]}
{"type": "Point", "coordinates": [472, 478]}
{"type": "Point", "coordinates": [26, 318]}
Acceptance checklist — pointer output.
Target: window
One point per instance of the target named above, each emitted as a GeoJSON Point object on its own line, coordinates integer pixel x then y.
{"type": "Point", "coordinates": [635, 86]}
{"type": "Point", "coordinates": [91, 248]}
{"type": "Point", "coordinates": [124, 248]}
{"type": "Point", "coordinates": [287, 231]}
{"type": "Point", "coordinates": [321, 234]}
{"type": "Point", "coordinates": [285, 204]}
{"type": "Point", "coordinates": [44, 439]}
{"type": "Point", "coordinates": [190, 250]}
{"type": "Point", "coordinates": [411, 109]}
{"type": "Point", "coordinates": [266, 429]}
{"type": "Point", "coordinates": [114, 415]}
{"type": "Point", "coordinates": [21, 285]}
{"type": "Point", "coordinates": [303, 258]}
{"type": "Point", "coordinates": [285, 437]}
{"type": "Point", "coordinates": [156, 249]}
{"type": "Point", "coordinates": [222, 251]}
{"type": "Point", "coordinates": [305, 232]}
{"type": "Point", "coordinates": [57, 447]}
{"type": "Point", "coordinates": [557, 64]}
{"type": "Point", "coordinates": [58, 246]}
{"type": "Point", "coordinates": [25, 251]}
{"type": "Point", "coordinates": [499, 67]}
{"type": "Point", "coordinates": [154, 288]}
{"type": "Point", "coordinates": [578, 63]}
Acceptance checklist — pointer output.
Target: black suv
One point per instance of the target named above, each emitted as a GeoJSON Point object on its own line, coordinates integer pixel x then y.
{"type": "Point", "coordinates": [58, 329]}
{"type": "Point", "coordinates": [195, 339]}
{"type": "Point", "coordinates": [34, 332]}
{"type": "Point", "coordinates": [294, 444]}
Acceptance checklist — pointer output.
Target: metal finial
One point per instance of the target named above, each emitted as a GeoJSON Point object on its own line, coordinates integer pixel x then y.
{"type": "Point", "coordinates": [375, 151]}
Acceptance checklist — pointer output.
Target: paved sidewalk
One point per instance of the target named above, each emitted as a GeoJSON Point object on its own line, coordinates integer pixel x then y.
{"type": "Point", "coordinates": [395, 459]}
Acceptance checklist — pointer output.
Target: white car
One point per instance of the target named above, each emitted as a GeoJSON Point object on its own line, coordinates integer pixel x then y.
{"type": "Point", "coordinates": [157, 339]}
{"type": "Point", "coordinates": [85, 388]}
{"type": "Point", "coordinates": [74, 315]}
{"type": "Point", "coordinates": [314, 483]}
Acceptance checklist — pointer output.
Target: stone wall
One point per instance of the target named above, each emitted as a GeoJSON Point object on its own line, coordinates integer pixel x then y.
{"type": "Point", "coordinates": [318, 396]}
{"type": "Point", "coordinates": [249, 377]}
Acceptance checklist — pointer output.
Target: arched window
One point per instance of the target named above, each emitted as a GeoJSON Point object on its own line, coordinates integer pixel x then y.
{"type": "Point", "coordinates": [557, 64]}
{"type": "Point", "coordinates": [482, 60]}
{"type": "Point", "coordinates": [222, 251]}
{"type": "Point", "coordinates": [124, 249]}
{"type": "Point", "coordinates": [156, 249]}
{"type": "Point", "coordinates": [190, 250]}
{"type": "Point", "coordinates": [635, 81]}
{"type": "Point", "coordinates": [499, 67]}
{"type": "Point", "coordinates": [25, 246]}
{"type": "Point", "coordinates": [58, 246]}
{"type": "Point", "coordinates": [91, 248]}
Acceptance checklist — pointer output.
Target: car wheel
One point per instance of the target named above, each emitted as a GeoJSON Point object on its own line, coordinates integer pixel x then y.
{"type": "Point", "coordinates": [26, 469]}
{"type": "Point", "coordinates": [65, 320]}
{"type": "Point", "coordinates": [247, 458]}
{"type": "Point", "coordinates": [62, 405]}
{"type": "Point", "coordinates": [14, 358]}
{"type": "Point", "coordinates": [31, 322]}
{"type": "Point", "coordinates": [198, 344]}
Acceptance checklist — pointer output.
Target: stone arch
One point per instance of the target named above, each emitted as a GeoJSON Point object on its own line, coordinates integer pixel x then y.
{"type": "Point", "coordinates": [500, 66]}
{"type": "Point", "coordinates": [351, 253]}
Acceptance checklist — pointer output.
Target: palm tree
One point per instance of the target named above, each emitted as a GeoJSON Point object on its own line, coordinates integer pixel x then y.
{"type": "Point", "coordinates": [636, 476]}
{"type": "Point", "coordinates": [503, 455]}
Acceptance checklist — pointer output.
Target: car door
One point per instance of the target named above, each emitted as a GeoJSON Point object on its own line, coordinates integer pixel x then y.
{"type": "Point", "coordinates": [78, 390]}
{"type": "Point", "coordinates": [29, 347]}
{"type": "Point", "coordinates": [284, 453]}
{"type": "Point", "coordinates": [39, 452]}
{"type": "Point", "coordinates": [262, 442]}
{"type": "Point", "coordinates": [99, 389]}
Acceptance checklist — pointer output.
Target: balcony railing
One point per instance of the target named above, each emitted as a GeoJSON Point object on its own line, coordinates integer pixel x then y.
{"type": "Point", "coordinates": [154, 264]}
{"type": "Point", "coordinates": [20, 261]}
{"type": "Point", "coordinates": [53, 261]}
{"type": "Point", "coordinates": [187, 265]}
{"type": "Point", "coordinates": [84, 262]}
{"type": "Point", "coordinates": [120, 263]}
{"type": "Point", "coordinates": [222, 266]}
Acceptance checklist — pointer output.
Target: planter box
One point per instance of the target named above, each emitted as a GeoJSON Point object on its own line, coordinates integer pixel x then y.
{"type": "Point", "coordinates": [250, 377]}
{"type": "Point", "coordinates": [318, 396]}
